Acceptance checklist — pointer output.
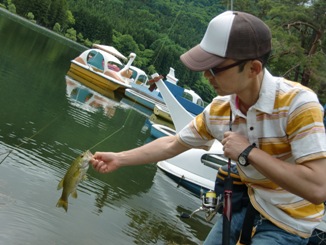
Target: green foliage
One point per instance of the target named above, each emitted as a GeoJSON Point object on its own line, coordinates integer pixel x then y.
{"type": "Point", "coordinates": [71, 34]}
{"type": "Point", "coordinates": [57, 28]}
{"type": "Point", "coordinates": [160, 31]}
{"type": "Point", "coordinates": [87, 42]}
{"type": "Point", "coordinates": [12, 8]}
{"type": "Point", "coordinates": [92, 25]}
{"type": "Point", "coordinates": [125, 43]}
{"type": "Point", "coordinates": [204, 89]}
{"type": "Point", "coordinates": [80, 37]}
{"type": "Point", "coordinates": [46, 12]}
{"type": "Point", "coordinates": [30, 16]}
{"type": "Point", "coordinates": [70, 20]}
{"type": "Point", "coordinates": [56, 12]}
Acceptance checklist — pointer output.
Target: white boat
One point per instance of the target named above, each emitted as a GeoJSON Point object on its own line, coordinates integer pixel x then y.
{"type": "Point", "coordinates": [142, 93]}
{"type": "Point", "coordinates": [147, 100]}
{"type": "Point", "coordinates": [192, 169]}
{"type": "Point", "coordinates": [159, 130]}
{"type": "Point", "coordinates": [160, 123]}
{"type": "Point", "coordinates": [102, 67]}
{"type": "Point", "coordinates": [162, 111]}
{"type": "Point", "coordinates": [189, 169]}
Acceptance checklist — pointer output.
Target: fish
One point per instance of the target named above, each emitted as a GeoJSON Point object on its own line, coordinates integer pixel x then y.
{"type": "Point", "coordinates": [74, 175]}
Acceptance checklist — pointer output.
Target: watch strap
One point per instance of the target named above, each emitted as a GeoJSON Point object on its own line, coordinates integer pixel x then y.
{"type": "Point", "coordinates": [246, 152]}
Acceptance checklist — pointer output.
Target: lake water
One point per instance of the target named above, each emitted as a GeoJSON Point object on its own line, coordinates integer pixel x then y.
{"type": "Point", "coordinates": [45, 123]}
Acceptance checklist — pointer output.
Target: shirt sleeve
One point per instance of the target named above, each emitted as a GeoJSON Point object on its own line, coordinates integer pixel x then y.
{"type": "Point", "coordinates": [305, 128]}
{"type": "Point", "coordinates": [211, 124]}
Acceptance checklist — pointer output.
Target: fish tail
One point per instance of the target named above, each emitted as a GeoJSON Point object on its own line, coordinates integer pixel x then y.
{"type": "Point", "coordinates": [62, 203]}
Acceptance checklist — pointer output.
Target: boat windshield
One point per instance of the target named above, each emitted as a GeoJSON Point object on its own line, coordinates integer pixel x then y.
{"type": "Point", "coordinates": [138, 77]}
{"type": "Point", "coordinates": [195, 99]}
{"type": "Point", "coordinates": [96, 60]}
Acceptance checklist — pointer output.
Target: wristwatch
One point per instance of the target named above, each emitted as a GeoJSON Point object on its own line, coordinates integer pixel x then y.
{"type": "Point", "coordinates": [243, 157]}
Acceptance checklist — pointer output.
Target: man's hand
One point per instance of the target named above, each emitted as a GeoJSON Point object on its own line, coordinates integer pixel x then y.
{"type": "Point", "coordinates": [105, 162]}
{"type": "Point", "coordinates": [234, 144]}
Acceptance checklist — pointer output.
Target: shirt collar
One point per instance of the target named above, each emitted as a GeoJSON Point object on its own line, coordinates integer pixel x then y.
{"type": "Point", "coordinates": [266, 100]}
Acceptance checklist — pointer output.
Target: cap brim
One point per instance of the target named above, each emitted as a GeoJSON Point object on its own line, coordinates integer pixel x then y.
{"type": "Point", "coordinates": [197, 59]}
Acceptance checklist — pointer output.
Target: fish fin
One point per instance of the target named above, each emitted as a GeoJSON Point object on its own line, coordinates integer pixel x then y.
{"type": "Point", "coordinates": [62, 203]}
{"type": "Point", "coordinates": [74, 194]}
{"type": "Point", "coordinates": [60, 185]}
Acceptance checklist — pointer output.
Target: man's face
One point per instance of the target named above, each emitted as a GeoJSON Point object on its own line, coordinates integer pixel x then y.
{"type": "Point", "coordinates": [229, 81]}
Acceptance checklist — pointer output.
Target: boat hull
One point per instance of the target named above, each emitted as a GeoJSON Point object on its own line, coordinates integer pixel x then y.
{"type": "Point", "coordinates": [162, 112]}
{"type": "Point", "coordinates": [93, 78]}
{"type": "Point", "coordinates": [141, 98]}
{"type": "Point", "coordinates": [158, 130]}
{"type": "Point", "coordinates": [159, 120]}
{"type": "Point", "coordinates": [188, 170]}
{"type": "Point", "coordinates": [187, 183]}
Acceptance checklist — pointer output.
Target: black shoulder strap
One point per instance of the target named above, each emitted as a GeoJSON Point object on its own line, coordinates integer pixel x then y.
{"type": "Point", "coordinates": [248, 224]}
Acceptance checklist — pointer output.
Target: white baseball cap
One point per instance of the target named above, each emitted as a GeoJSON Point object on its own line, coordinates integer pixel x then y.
{"type": "Point", "coordinates": [230, 35]}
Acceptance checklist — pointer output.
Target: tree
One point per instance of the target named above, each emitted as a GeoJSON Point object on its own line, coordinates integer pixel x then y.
{"type": "Point", "coordinates": [30, 16]}
{"type": "Point", "coordinates": [160, 31]}
{"type": "Point", "coordinates": [71, 34]}
{"type": "Point", "coordinates": [299, 30]}
{"type": "Point", "coordinates": [56, 12]}
{"type": "Point", "coordinates": [57, 28]}
{"type": "Point", "coordinates": [93, 26]}
{"type": "Point", "coordinates": [11, 7]}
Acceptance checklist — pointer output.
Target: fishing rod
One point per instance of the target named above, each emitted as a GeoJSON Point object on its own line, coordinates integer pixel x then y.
{"type": "Point", "coordinates": [211, 203]}
{"type": "Point", "coordinates": [227, 205]}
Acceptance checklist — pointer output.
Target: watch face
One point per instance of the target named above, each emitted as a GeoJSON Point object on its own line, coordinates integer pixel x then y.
{"type": "Point", "coordinates": [242, 160]}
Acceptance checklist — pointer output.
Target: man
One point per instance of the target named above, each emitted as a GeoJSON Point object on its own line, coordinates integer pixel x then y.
{"type": "Point", "coordinates": [277, 137]}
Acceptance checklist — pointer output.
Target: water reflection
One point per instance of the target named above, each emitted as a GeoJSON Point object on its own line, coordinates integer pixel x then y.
{"type": "Point", "coordinates": [89, 100]}
{"type": "Point", "coordinates": [46, 121]}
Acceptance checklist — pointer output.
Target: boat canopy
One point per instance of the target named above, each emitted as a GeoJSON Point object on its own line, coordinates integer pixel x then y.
{"type": "Point", "coordinates": [97, 58]}
{"type": "Point", "coordinates": [192, 96]}
{"type": "Point", "coordinates": [139, 76]}
{"type": "Point", "coordinates": [110, 50]}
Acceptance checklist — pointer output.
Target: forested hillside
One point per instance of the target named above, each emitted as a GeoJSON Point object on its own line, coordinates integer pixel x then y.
{"type": "Point", "coordinates": [160, 31]}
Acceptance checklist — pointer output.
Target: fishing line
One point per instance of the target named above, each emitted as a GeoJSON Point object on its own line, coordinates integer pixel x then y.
{"type": "Point", "coordinates": [5, 156]}
{"type": "Point", "coordinates": [31, 137]}
{"type": "Point", "coordinates": [169, 31]}
{"type": "Point", "coordinates": [39, 131]}
{"type": "Point", "coordinates": [115, 132]}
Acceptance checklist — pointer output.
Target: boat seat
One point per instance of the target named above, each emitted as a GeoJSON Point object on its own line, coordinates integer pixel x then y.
{"type": "Point", "coordinates": [114, 75]}
{"type": "Point", "coordinates": [126, 73]}
{"type": "Point", "coordinates": [80, 60]}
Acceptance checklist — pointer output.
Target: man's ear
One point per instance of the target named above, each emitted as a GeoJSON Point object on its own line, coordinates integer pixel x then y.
{"type": "Point", "coordinates": [255, 67]}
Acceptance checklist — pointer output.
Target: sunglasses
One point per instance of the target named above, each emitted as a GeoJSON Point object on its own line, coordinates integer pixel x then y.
{"type": "Point", "coordinates": [214, 71]}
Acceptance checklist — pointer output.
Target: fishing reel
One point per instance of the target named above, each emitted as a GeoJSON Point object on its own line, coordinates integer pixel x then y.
{"type": "Point", "coordinates": [210, 205]}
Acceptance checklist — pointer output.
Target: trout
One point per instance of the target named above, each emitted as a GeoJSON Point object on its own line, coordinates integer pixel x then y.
{"type": "Point", "coordinates": [75, 174]}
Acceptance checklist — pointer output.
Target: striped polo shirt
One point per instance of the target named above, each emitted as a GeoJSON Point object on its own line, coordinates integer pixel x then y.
{"type": "Point", "coordinates": [287, 123]}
